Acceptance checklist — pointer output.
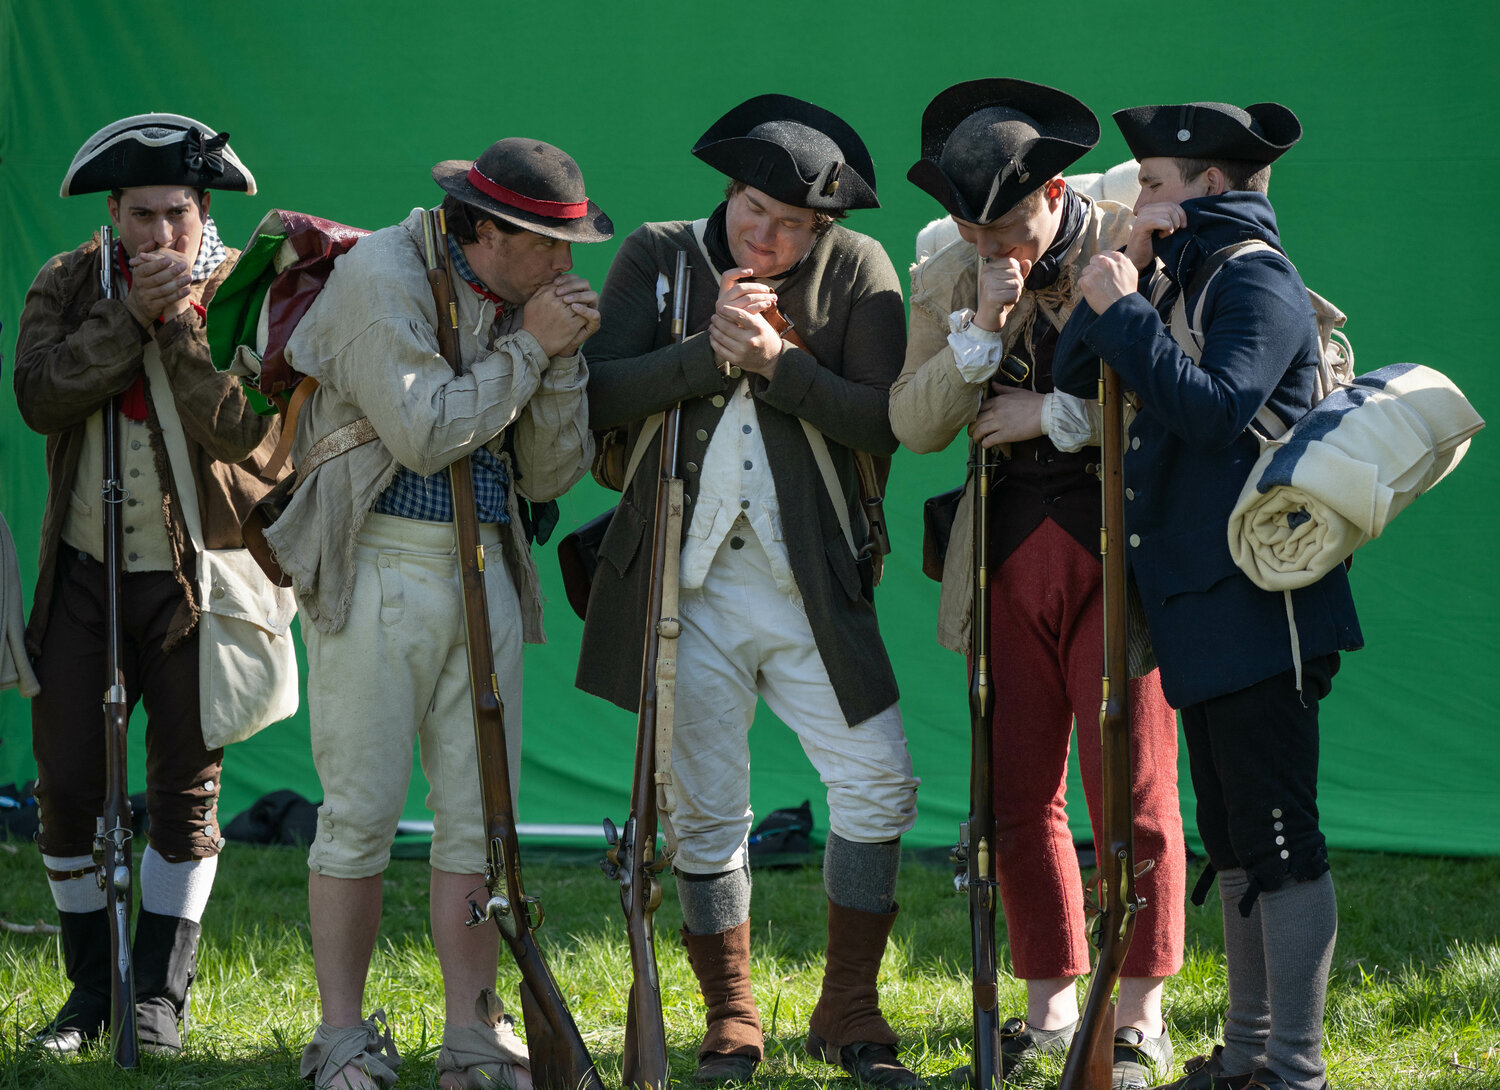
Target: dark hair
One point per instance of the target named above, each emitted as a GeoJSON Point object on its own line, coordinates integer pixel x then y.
{"type": "Point", "coordinates": [821, 220]}
{"type": "Point", "coordinates": [464, 220]}
{"type": "Point", "coordinates": [1238, 173]}
{"type": "Point", "coordinates": [119, 192]}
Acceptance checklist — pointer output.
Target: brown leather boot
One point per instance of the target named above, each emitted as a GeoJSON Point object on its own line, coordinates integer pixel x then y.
{"type": "Point", "coordinates": [847, 1028]}
{"type": "Point", "coordinates": [733, 1044]}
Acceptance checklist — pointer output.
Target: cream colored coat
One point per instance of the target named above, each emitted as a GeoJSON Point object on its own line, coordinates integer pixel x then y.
{"type": "Point", "coordinates": [931, 402]}
{"type": "Point", "coordinates": [370, 340]}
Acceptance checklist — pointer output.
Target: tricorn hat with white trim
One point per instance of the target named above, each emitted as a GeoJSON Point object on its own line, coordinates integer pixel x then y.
{"type": "Point", "coordinates": [987, 143]}
{"type": "Point", "coordinates": [798, 153]}
{"type": "Point", "coordinates": [1210, 130]}
{"type": "Point", "coordinates": [531, 184]}
{"type": "Point", "coordinates": [156, 149]}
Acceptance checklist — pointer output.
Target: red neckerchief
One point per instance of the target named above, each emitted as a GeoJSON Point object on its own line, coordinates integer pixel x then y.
{"type": "Point", "coordinates": [485, 293]}
{"type": "Point", "coordinates": [133, 400]}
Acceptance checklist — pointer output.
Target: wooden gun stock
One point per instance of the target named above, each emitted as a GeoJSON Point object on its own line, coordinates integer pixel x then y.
{"type": "Point", "coordinates": [631, 858]}
{"type": "Point", "coordinates": [976, 841]}
{"type": "Point", "coordinates": [112, 831]}
{"type": "Point", "coordinates": [559, 1058]}
{"type": "Point", "coordinates": [1090, 1060]}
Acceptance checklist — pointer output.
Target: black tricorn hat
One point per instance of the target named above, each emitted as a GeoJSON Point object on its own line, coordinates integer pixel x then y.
{"type": "Point", "coordinates": [529, 183]}
{"type": "Point", "coordinates": [1210, 130]}
{"type": "Point", "coordinates": [987, 143]}
{"type": "Point", "coordinates": [798, 153]}
{"type": "Point", "coordinates": [156, 149]}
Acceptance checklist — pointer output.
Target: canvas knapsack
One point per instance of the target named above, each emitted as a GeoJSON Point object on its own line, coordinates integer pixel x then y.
{"type": "Point", "coordinates": [280, 272]}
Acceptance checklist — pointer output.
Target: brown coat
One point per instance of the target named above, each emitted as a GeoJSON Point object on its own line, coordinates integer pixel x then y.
{"type": "Point", "coordinates": [846, 301]}
{"type": "Point", "coordinates": [75, 351]}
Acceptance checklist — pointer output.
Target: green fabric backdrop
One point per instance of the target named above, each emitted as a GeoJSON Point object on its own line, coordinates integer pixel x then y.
{"type": "Point", "coordinates": [340, 108]}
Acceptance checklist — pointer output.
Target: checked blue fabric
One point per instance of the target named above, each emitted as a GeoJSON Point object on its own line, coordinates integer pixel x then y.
{"type": "Point", "coordinates": [430, 499]}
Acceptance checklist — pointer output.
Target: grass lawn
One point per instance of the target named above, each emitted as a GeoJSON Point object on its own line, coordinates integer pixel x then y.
{"type": "Point", "coordinates": [1414, 1000]}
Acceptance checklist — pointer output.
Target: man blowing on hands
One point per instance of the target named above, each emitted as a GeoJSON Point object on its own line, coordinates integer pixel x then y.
{"type": "Point", "coordinates": [77, 350]}
{"type": "Point", "coordinates": [368, 539]}
{"type": "Point", "coordinates": [1246, 666]}
{"type": "Point", "coordinates": [985, 316]}
{"type": "Point", "coordinates": [775, 596]}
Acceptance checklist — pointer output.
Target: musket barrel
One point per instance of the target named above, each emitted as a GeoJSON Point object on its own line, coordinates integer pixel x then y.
{"type": "Point", "coordinates": [633, 859]}
{"type": "Point", "coordinates": [1089, 1064]}
{"type": "Point", "coordinates": [112, 840]}
{"type": "Point", "coordinates": [559, 1058]}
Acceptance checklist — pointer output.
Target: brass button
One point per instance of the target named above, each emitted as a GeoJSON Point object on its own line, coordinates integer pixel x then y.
{"type": "Point", "coordinates": [717, 401]}
{"type": "Point", "coordinates": [702, 434]}
{"type": "Point", "coordinates": [735, 372]}
{"type": "Point", "coordinates": [692, 467]}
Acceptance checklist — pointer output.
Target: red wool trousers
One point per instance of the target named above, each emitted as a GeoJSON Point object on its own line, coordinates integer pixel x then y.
{"type": "Point", "coordinates": [1047, 618]}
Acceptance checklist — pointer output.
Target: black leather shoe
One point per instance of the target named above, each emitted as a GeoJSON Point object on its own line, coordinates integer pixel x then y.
{"type": "Point", "coordinates": [1207, 1073]}
{"type": "Point", "coordinates": [722, 1068]}
{"type": "Point", "coordinates": [872, 1064]}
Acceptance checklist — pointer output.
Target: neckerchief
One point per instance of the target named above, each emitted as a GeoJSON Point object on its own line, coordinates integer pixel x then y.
{"type": "Point", "coordinates": [211, 251]}
{"type": "Point", "coordinates": [470, 277]}
{"type": "Point", "coordinates": [1044, 273]}
{"type": "Point", "coordinates": [1050, 283]}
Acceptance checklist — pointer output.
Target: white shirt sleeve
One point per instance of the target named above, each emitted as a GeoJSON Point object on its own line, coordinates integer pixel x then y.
{"type": "Point", "coordinates": [977, 352]}
{"type": "Point", "coordinates": [1072, 423]}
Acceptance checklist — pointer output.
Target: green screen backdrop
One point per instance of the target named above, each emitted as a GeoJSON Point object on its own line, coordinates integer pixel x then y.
{"type": "Point", "coordinates": [340, 109]}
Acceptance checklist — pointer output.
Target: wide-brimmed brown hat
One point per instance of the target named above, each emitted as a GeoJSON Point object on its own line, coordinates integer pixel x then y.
{"type": "Point", "coordinates": [1261, 133]}
{"type": "Point", "coordinates": [798, 153]}
{"type": "Point", "coordinates": [156, 149]}
{"type": "Point", "coordinates": [987, 143]}
{"type": "Point", "coordinates": [529, 183]}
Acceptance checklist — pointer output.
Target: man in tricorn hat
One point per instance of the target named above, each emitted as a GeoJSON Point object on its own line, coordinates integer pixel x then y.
{"type": "Point", "coordinates": [1246, 666]}
{"type": "Point", "coordinates": [775, 599]}
{"type": "Point", "coordinates": [985, 316]}
{"type": "Point", "coordinates": [76, 351]}
{"type": "Point", "coordinates": [368, 539]}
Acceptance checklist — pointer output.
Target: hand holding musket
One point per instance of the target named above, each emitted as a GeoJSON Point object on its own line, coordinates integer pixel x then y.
{"type": "Point", "coordinates": [112, 832]}
{"type": "Point", "coordinates": [976, 838]}
{"type": "Point", "coordinates": [559, 1059]}
{"type": "Point", "coordinates": [631, 858]}
{"type": "Point", "coordinates": [1091, 1058]}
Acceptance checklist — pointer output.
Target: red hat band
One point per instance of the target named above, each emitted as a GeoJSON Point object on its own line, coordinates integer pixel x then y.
{"type": "Point", "coordinates": [555, 209]}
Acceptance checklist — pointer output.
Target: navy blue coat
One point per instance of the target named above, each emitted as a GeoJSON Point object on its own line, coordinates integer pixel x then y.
{"type": "Point", "coordinates": [1214, 631]}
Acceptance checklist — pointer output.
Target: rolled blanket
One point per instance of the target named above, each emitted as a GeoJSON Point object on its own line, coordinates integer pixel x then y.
{"type": "Point", "coordinates": [1345, 470]}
